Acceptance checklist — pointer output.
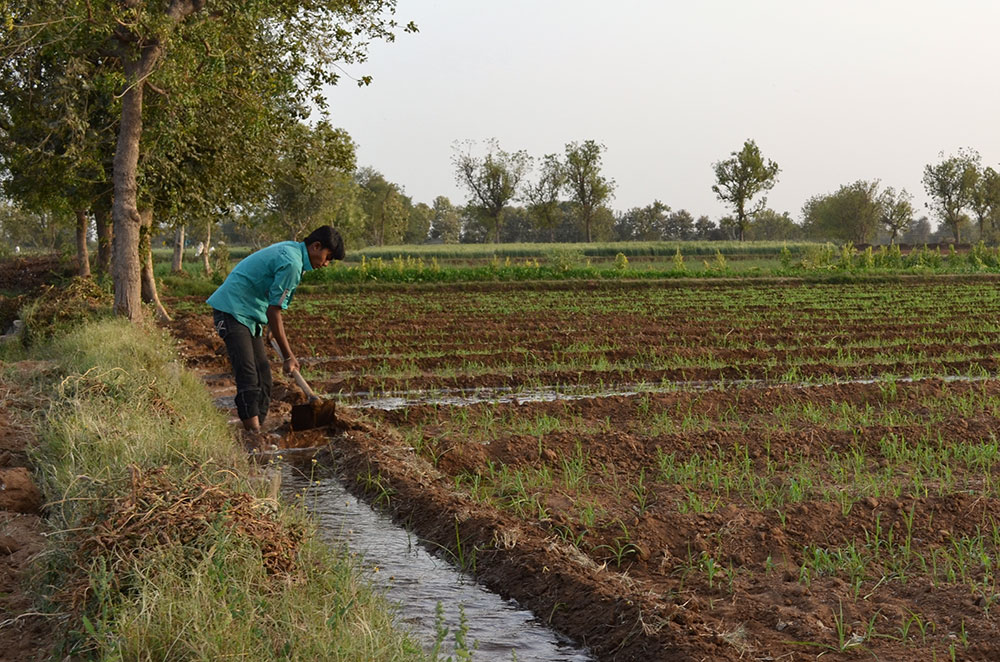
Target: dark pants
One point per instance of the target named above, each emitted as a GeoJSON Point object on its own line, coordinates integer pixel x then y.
{"type": "Point", "coordinates": [250, 366]}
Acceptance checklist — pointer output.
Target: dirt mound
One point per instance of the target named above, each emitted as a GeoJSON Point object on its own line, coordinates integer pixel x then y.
{"type": "Point", "coordinates": [60, 307]}
{"type": "Point", "coordinates": [18, 493]}
{"type": "Point", "coordinates": [25, 275]}
{"type": "Point", "coordinates": [157, 513]}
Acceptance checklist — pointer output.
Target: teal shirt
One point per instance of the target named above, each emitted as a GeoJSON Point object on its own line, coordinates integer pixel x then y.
{"type": "Point", "coordinates": [265, 278]}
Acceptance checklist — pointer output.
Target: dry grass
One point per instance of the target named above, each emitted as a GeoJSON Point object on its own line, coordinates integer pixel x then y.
{"type": "Point", "coordinates": [164, 542]}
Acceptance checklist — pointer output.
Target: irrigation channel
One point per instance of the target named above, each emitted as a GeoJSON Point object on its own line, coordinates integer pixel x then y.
{"type": "Point", "coordinates": [418, 581]}
{"type": "Point", "coordinates": [465, 397]}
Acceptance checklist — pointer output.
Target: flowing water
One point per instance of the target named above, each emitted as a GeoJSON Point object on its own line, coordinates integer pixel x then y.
{"type": "Point", "coordinates": [419, 582]}
{"type": "Point", "coordinates": [498, 395]}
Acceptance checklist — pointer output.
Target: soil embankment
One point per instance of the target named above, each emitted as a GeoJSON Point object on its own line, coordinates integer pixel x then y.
{"type": "Point", "coordinates": [24, 634]}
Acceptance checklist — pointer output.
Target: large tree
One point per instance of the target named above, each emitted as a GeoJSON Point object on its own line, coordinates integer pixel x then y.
{"type": "Point", "coordinates": [283, 47]}
{"type": "Point", "coordinates": [493, 180]}
{"type": "Point", "coordinates": [853, 213]}
{"type": "Point", "coordinates": [741, 178]}
{"type": "Point", "coordinates": [314, 166]}
{"type": "Point", "coordinates": [951, 185]}
{"type": "Point", "coordinates": [642, 223]}
{"type": "Point", "coordinates": [543, 195]}
{"type": "Point", "coordinates": [386, 208]}
{"type": "Point", "coordinates": [56, 138]}
{"type": "Point", "coordinates": [985, 202]}
{"type": "Point", "coordinates": [588, 188]}
{"type": "Point", "coordinates": [446, 225]}
{"type": "Point", "coordinates": [418, 224]}
{"type": "Point", "coordinates": [769, 225]}
{"type": "Point", "coordinates": [897, 212]}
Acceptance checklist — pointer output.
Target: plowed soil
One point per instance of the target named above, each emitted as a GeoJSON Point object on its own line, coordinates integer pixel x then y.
{"type": "Point", "coordinates": [385, 341]}
{"type": "Point", "coordinates": [781, 521]}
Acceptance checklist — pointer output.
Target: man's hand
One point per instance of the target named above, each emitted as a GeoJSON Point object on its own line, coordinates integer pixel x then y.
{"type": "Point", "coordinates": [290, 365]}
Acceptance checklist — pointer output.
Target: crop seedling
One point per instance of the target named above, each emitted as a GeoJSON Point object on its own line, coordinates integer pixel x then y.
{"type": "Point", "coordinates": [621, 548]}
{"type": "Point", "coordinates": [643, 495]}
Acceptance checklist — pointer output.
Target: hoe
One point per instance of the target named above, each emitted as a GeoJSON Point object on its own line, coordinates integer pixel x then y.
{"type": "Point", "coordinates": [316, 412]}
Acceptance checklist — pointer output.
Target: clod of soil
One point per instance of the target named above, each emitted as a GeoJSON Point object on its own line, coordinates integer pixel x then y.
{"type": "Point", "coordinates": [314, 415]}
{"type": "Point", "coordinates": [18, 492]}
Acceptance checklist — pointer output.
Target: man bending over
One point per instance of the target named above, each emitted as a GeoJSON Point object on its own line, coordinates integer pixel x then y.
{"type": "Point", "coordinates": [253, 295]}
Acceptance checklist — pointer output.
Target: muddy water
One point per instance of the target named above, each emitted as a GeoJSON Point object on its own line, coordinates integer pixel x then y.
{"type": "Point", "coordinates": [418, 582]}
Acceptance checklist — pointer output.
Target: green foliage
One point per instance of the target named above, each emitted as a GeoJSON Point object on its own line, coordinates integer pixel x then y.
{"type": "Point", "coordinates": [847, 256]}
{"type": "Point", "coordinates": [59, 309]}
{"type": "Point", "coordinates": [386, 209]}
{"type": "Point", "coordinates": [543, 195]}
{"type": "Point", "coordinates": [493, 180]}
{"type": "Point", "coordinates": [311, 186]}
{"type": "Point", "coordinates": [226, 91]}
{"type": "Point", "coordinates": [741, 178]}
{"type": "Point", "coordinates": [854, 213]}
{"type": "Point", "coordinates": [951, 186]}
{"type": "Point", "coordinates": [588, 250]}
{"type": "Point", "coordinates": [563, 259]}
{"type": "Point", "coordinates": [817, 256]}
{"type": "Point", "coordinates": [678, 261]}
{"type": "Point", "coordinates": [445, 225]}
{"type": "Point", "coordinates": [588, 188]}
{"type": "Point", "coordinates": [786, 257]}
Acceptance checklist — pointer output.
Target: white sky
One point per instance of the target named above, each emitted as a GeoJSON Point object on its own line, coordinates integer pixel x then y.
{"type": "Point", "coordinates": [833, 90]}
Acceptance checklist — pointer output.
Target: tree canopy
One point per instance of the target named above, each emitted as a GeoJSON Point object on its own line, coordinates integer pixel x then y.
{"type": "Point", "coordinates": [493, 179]}
{"type": "Point", "coordinates": [740, 179]}
{"type": "Point", "coordinates": [951, 185]}
{"type": "Point", "coordinates": [192, 55]}
{"type": "Point", "coordinates": [588, 188]}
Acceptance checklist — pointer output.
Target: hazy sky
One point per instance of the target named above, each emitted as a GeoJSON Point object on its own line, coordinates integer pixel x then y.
{"type": "Point", "coordinates": [833, 90]}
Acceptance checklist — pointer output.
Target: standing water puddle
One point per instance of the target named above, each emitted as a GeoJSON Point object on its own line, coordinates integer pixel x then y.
{"type": "Point", "coordinates": [419, 582]}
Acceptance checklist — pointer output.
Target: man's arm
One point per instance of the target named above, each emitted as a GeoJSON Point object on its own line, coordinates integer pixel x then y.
{"type": "Point", "coordinates": [277, 326]}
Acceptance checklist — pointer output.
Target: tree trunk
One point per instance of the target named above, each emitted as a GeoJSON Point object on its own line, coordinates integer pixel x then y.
{"type": "Point", "coordinates": [101, 214]}
{"type": "Point", "coordinates": [124, 212]}
{"type": "Point", "coordinates": [149, 293]}
{"type": "Point", "coordinates": [137, 65]}
{"type": "Point", "coordinates": [178, 263]}
{"type": "Point", "coordinates": [82, 254]}
{"type": "Point", "coordinates": [208, 246]}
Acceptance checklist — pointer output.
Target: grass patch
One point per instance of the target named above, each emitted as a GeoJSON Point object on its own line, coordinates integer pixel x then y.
{"type": "Point", "coordinates": [164, 544]}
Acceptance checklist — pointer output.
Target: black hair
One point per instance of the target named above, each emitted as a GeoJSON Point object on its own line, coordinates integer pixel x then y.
{"type": "Point", "coordinates": [329, 239]}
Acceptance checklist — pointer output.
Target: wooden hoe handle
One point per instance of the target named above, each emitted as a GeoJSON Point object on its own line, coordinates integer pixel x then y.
{"type": "Point", "coordinates": [299, 379]}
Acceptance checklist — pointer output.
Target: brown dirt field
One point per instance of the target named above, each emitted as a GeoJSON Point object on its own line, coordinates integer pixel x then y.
{"type": "Point", "coordinates": [622, 334]}
{"type": "Point", "coordinates": [764, 606]}
{"type": "Point", "coordinates": [651, 576]}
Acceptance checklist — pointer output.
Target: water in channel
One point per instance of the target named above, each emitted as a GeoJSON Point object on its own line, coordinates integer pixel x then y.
{"type": "Point", "coordinates": [418, 581]}
{"type": "Point", "coordinates": [463, 397]}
